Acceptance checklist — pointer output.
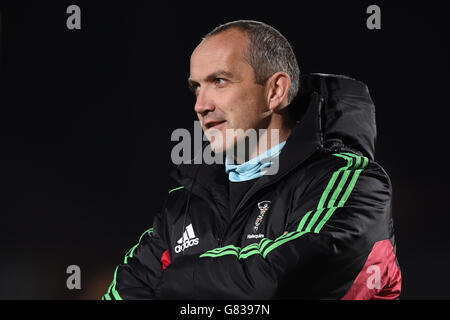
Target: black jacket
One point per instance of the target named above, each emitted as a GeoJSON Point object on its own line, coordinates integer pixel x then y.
{"type": "Point", "coordinates": [319, 228]}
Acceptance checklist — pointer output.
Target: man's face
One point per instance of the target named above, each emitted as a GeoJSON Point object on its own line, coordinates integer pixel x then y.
{"type": "Point", "coordinates": [224, 84]}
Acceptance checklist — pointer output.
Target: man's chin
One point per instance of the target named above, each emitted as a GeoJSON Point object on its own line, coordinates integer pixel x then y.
{"type": "Point", "coordinates": [217, 140]}
{"type": "Point", "coordinates": [219, 147]}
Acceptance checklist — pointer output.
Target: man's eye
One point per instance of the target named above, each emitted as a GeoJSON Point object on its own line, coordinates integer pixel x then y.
{"type": "Point", "coordinates": [220, 81]}
{"type": "Point", "coordinates": [195, 88]}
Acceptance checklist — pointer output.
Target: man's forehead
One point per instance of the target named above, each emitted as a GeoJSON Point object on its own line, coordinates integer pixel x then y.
{"type": "Point", "coordinates": [219, 52]}
{"type": "Point", "coordinates": [233, 37]}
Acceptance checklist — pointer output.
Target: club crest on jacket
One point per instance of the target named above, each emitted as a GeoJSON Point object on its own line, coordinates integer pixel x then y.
{"type": "Point", "coordinates": [263, 206]}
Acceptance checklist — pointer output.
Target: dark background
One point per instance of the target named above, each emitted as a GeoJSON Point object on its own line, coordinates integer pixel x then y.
{"type": "Point", "coordinates": [86, 117]}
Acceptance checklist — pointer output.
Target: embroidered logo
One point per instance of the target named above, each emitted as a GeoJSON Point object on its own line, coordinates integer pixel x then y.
{"type": "Point", "coordinates": [187, 240]}
{"type": "Point", "coordinates": [263, 206]}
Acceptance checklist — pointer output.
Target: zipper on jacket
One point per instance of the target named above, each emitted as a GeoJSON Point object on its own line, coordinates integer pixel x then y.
{"type": "Point", "coordinates": [241, 204]}
{"type": "Point", "coordinates": [247, 197]}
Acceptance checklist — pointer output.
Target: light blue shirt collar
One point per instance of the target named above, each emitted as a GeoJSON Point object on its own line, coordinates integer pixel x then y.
{"type": "Point", "coordinates": [253, 168]}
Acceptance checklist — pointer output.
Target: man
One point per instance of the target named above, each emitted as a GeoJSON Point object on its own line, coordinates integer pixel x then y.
{"type": "Point", "coordinates": [318, 227]}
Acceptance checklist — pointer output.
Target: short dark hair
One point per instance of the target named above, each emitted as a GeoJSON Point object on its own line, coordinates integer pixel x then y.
{"type": "Point", "coordinates": [268, 52]}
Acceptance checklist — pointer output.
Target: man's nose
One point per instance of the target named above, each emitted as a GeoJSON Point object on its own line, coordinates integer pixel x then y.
{"type": "Point", "coordinates": [203, 104]}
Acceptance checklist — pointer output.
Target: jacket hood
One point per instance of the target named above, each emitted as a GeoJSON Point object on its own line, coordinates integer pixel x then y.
{"type": "Point", "coordinates": [347, 112]}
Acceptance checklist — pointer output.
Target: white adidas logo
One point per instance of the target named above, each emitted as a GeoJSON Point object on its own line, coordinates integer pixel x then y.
{"type": "Point", "coordinates": [187, 240]}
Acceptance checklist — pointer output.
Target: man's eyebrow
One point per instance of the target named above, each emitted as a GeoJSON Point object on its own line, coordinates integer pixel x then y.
{"type": "Point", "coordinates": [217, 74]}
{"type": "Point", "coordinates": [212, 76]}
{"type": "Point", "coordinates": [192, 83]}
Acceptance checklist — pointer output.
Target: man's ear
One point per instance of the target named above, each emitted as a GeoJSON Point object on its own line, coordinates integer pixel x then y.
{"type": "Point", "coordinates": [277, 91]}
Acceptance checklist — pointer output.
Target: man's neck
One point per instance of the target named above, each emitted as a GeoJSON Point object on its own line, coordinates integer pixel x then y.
{"type": "Point", "coordinates": [266, 139]}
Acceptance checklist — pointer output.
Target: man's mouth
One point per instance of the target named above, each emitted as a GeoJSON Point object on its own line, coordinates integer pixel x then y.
{"type": "Point", "coordinates": [214, 124]}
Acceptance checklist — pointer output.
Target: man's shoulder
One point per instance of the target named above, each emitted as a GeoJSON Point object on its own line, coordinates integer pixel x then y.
{"type": "Point", "coordinates": [328, 162]}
